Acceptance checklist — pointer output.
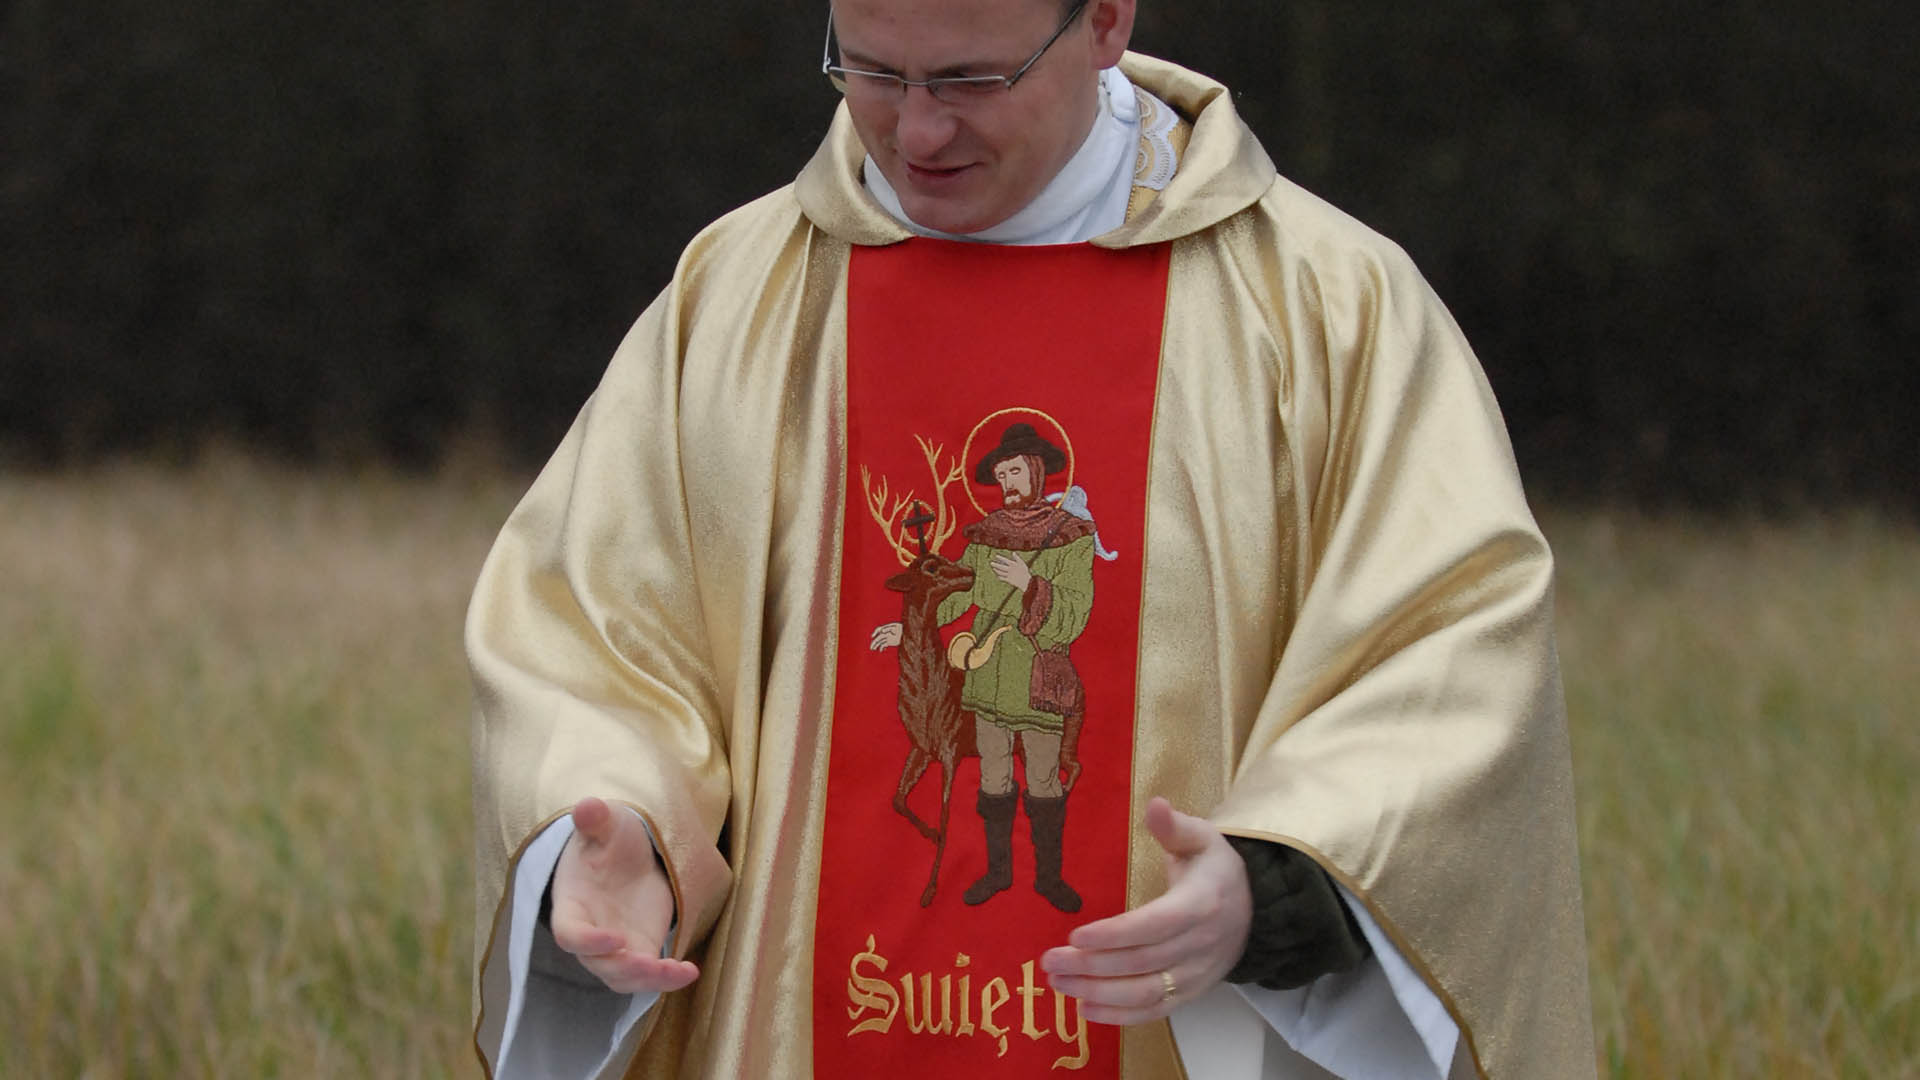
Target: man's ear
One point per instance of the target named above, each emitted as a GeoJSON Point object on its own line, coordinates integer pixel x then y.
{"type": "Point", "coordinates": [1112, 25]}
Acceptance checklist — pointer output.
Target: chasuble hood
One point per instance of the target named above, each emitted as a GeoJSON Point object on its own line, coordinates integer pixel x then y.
{"type": "Point", "coordinates": [1343, 609]}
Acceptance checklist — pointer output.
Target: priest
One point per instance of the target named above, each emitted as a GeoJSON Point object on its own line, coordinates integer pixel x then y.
{"type": "Point", "coordinates": [1322, 808]}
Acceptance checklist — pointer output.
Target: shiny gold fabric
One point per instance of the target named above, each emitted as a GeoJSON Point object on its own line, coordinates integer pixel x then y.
{"type": "Point", "coordinates": [1346, 623]}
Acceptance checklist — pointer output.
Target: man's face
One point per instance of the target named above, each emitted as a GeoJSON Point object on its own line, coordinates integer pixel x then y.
{"type": "Point", "coordinates": [1016, 482]}
{"type": "Point", "coordinates": [964, 167]}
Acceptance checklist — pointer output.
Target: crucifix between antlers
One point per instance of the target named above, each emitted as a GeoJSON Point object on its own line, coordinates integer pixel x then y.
{"type": "Point", "coordinates": [922, 517]}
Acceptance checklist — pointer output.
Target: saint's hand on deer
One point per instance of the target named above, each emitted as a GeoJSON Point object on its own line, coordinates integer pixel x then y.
{"type": "Point", "coordinates": [1142, 964]}
{"type": "Point", "coordinates": [885, 636]}
{"type": "Point", "coordinates": [613, 903]}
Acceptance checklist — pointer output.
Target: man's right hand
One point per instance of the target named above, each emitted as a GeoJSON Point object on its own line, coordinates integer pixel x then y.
{"type": "Point", "coordinates": [613, 904]}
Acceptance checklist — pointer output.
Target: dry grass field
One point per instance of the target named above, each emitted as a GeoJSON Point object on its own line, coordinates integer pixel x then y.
{"type": "Point", "coordinates": [233, 779]}
{"type": "Point", "coordinates": [1745, 704]}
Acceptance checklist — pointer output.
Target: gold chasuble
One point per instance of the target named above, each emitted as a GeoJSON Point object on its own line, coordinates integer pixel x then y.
{"type": "Point", "coordinates": [866, 543]}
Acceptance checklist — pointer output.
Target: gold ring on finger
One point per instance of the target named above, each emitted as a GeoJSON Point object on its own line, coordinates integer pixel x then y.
{"type": "Point", "coordinates": [1167, 988]}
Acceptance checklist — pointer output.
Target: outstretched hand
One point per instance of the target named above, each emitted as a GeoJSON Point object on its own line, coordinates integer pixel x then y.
{"type": "Point", "coordinates": [613, 904]}
{"type": "Point", "coordinates": [1194, 932]}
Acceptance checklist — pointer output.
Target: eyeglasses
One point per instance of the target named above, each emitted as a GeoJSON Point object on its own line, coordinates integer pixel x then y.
{"type": "Point", "coordinates": [953, 89]}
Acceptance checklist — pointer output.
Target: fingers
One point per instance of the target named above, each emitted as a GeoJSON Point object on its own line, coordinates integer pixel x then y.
{"type": "Point", "coordinates": [1147, 984]}
{"type": "Point", "coordinates": [625, 966]}
{"type": "Point", "coordinates": [1181, 835]}
{"type": "Point", "coordinates": [1130, 986]}
{"type": "Point", "coordinates": [1119, 967]}
{"type": "Point", "coordinates": [1133, 999]}
{"type": "Point", "coordinates": [1109, 963]}
{"type": "Point", "coordinates": [613, 903]}
{"type": "Point", "coordinates": [610, 838]}
{"type": "Point", "coordinates": [593, 820]}
{"type": "Point", "coordinates": [584, 939]}
{"type": "Point", "coordinates": [1014, 572]}
{"type": "Point", "coordinates": [626, 972]}
{"type": "Point", "coordinates": [1196, 918]}
{"type": "Point", "coordinates": [1160, 919]}
{"type": "Point", "coordinates": [1184, 905]}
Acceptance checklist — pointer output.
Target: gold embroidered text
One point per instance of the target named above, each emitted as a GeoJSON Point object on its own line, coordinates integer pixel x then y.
{"type": "Point", "coordinates": [946, 1005]}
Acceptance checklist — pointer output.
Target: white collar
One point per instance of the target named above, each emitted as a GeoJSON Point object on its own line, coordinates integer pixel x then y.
{"type": "Point", "coordinates": [1087, 197]}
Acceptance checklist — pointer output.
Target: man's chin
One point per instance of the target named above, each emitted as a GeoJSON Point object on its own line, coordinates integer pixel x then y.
{"type": "Point", "coordinates": [946, 213]}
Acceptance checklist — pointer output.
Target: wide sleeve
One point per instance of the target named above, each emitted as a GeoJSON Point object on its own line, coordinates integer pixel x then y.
{"type": "Point", "coordinates": [1058, 602]}
{"type": "Point", "coordinates": [1412, 737]}
{"type": "Point", "coordinates": [588, 649]}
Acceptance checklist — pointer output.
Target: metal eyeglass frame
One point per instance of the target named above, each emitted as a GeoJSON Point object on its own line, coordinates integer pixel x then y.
{"type": "Point", "coordinates": [971, 84]}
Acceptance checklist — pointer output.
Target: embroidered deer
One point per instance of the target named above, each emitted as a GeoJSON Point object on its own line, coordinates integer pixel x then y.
{"type": "Point", "coordinates": [939, 729]}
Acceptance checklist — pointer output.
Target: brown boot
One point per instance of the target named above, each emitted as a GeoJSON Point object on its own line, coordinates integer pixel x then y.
{"type": "Point", "coordinates": [1049, 819]}
{"type": "Point", "coordinates": [996, 812]}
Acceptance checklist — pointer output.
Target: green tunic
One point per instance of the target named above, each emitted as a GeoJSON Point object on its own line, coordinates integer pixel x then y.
{"type": "Point", "coordinates": [1000, 689]}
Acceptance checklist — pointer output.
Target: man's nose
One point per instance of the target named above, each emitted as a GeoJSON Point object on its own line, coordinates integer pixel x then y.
{"type": "Point", "coordinates": [925, 125]}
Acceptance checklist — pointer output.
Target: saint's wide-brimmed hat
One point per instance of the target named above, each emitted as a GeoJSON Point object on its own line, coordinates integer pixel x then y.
{"type": "Point", "coordinates": [1019, 440]}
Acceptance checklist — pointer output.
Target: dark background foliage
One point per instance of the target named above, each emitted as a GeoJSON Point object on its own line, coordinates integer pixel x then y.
{"type": "Point", "coordinates": [1682, 237]}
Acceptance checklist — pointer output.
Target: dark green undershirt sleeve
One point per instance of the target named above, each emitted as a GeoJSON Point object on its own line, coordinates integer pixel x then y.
{"type": "Point", "coordinates": [1301, 929]}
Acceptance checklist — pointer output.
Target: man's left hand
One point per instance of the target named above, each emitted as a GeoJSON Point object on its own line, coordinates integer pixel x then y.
{"type": "Point", "coordinates": [1121, 968]}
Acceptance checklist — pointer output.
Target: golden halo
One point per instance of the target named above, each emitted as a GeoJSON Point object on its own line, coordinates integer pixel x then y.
{"type": "Point", "coordinates": [966, 451]}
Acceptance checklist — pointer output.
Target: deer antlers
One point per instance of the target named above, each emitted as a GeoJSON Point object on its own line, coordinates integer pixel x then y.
{"type": "Point", "coordinates": [887, 512]}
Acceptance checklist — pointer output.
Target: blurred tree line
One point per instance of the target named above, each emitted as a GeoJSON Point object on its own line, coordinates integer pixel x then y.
{"type": "Point", "coordinates": [1682, 237]}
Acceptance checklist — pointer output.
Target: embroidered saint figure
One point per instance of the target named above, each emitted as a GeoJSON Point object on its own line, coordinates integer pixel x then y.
{"type": "Point", "coordinates": [1027, 575]}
